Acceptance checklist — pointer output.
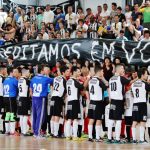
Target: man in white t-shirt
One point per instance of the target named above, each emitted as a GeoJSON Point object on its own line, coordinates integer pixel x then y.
{"type": "Point", "coordinates": [105, 13]}
{"type": "Point", "coordinates": [48, 16]}
{"type": "Point", "coordinates": [71, 19]}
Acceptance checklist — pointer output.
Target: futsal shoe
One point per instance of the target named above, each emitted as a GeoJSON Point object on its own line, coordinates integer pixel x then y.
{"type": "Point", "coordinates": [142, 142]}
{"type": "Point", "coordinates": [98, 140]}
{"type": "Point", "coordinates": [68, 138]}
{"type": "Point", "coordinates": [90, 140]}
{"type": "Point", "coordinates": [109, 141]}
{"type": "Point", "coordinates": [134, 142]}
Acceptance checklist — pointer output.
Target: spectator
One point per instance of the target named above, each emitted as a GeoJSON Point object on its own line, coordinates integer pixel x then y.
{"type": "Point", "coordinates": [145, 9]}
{"type": "Point", "coordinates": [116, 26]}
{"type": "Point", "coordinates": [21, 20]}
{"type": "Point", "coordinates": [102, 28]}
{"type": "Point", "coordinates": [146, 36]}
{"type": "Point", "coordinates": [135, 13]}
{"type": "Point", "coordinates": [40, 18]}
{"type": "Point", "coordinates": [67, 35]}
{"type": "Point", "coordinates": [33, 31]}
{"type": "Point", "coordinates": [9, 32]}
{"type": "Point", "coordinates": [80, 14]}
{"type": "Point", "coordinates": [98, 14]}
{"type": "Point", "coordinates": [92, 28]}
{"type": "Point", "coordinates": [70, 19]}
{"type": "Point", "coordinates": [45, 35]}
{"type": "Point", "coordinates": [17, 14]}
{"type": "Point", "coordinates": [2, 41]}
{"type": "Point", "coordinates": [40, 36]}
{"type": "Point", "coordinates": [128, 14]}
{"type": "Point", "coordinates": [31, 15]}
{"type": "Point", "coordinates": [121, 15]}
{"type": "Point", "coordinates": [89, 14]}
{"type": "Point", "coordinates": [79, 34]}
{"type": "Point", "coordinates": [60, 17]}
{"type": "Point", "coordinates": [58, 35]}
{"type": "Point", "coordinates": [51, 35]}
{"type": "Point", "coordinates": [48, 16]}
{"type": "Point", "coordinates": [82, 27]}
{"type": "Point", "coordinates": [138, 25]}
{"type": "Point", "coordinates": [121, 37]}
{"type": "Point", "coordinates": [105, 13]}
{"type": "Point", "coordinates": [62, 29]}
{"type": "Point", "coordinates": [26, 37]}
{"type": "Point", "coordinates": [113, 13]}
{"type": "Point", "coordinates": [10, 19]}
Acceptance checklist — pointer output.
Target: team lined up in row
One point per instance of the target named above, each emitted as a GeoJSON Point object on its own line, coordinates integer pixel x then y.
{"type": "Point", "coordinates": [72, 91]}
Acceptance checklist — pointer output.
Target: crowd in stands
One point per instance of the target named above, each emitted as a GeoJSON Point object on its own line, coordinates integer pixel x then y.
{"type": "Point", "coordinates": [44, 24]}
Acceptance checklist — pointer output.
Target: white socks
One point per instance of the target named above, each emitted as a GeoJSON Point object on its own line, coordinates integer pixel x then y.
{"type": "Point", "coordinates": [52, 127]}
{"type": "Point", "coordinates": [142, 131]}
{"type": "Point", "coordinates": [134, 133]}
{"type": "Point", "coordinates": [56, 128]}
{"type": "Point", "coordinates": [68, 128]}
{"type": "Point", "coordinates": [7, 127]}
{"type": "Point", "coordinates": [24, 124]}
{"type": "Point", "coordinates": [118, 129]}
{"type": "Point", "coordinates": [110, 125]}
{"type": "Point", "coordinates": [90, 130]}
{"type": "Point", "coordinates": [12, 127]}
{"type": "Point", "coordinates": [75, 128]}
{"type": "Point", "coordinates": [98, 130]}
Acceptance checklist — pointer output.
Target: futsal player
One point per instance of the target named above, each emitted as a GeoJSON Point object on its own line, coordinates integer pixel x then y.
{"type": "Point", "coordinates": [24, 101]}
{"type": "Point", "coordinates": [73, 106]}
{"type": "Point", "coordinates": [58, 94]}
{"type": "Point", "coordinates": [116, 93]}
{"type": "Point", "coordinates": [38, 91]}
{"type": "Point", "coordinates": [96, 107]}
{"type": "Point", "coordinates": [3, 72]}
{"type": "Point", "coordinates": [139, 114]}
{"type": "Point", "coordinates": [10, 86]}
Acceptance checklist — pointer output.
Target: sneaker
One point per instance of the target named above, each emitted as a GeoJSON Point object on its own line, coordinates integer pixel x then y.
{"type": "Point", "coordinates": [56, 136]}
{"type": "Point", "coordinates": [40, 137]}
{"type": "Point", "coordinates": [118, 142]}
{"type": "Point", "coordinates": [143, 142]}
{"type": "Point", "coordinates": [85, 136]}
{"type": "Point", "coordinates": [98, 140]}
{"type": "Point", "coordinates": [7, 133]}
{"type": "Point", "coordinates": [34, 135]}
{"type": "Point", "coordinates": [109, 141]}
{"type": "Point", "coordinates": [134, 142]}
{"type": "Point", "coordinates": [27, 134]}
{"type": "Point", "coordinates": [90, 140]}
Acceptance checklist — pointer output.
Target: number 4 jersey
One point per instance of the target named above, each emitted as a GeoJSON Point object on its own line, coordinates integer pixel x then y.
{"type": "Point", "coordinates": [139, 90]}
{"type": "Point", "coordinates": [96, 89]}
{"type": "Point", "coordinates": [59, 87]}
{"type": "Point", "coordinates": [23, 86]}
{"type": "Point", "coordinates": [116, 86]}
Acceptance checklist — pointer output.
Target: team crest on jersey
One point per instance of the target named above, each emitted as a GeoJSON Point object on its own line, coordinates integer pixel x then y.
{"type": "Point", "coordinates": [113, 107]}
{"type": "Point", "coordinates": [135, 108]}
{"type": "Point", "coordinates": [69, 107]}
{"type": "Point", "coordinates": [52, 103]}
{"type": "Point", "coordinates": [144, 118]}
{"type": "Point", "coordinates": [91, 106]}
{"type": "Point", "coordinates": [79, 115]}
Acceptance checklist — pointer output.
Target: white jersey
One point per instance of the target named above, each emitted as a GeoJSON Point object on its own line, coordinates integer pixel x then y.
{"type": "Point", "coordinates": [129, 103]}
{"type": "Point", "coordinates": [96, 89]}
{"type": "Point", "coordinates": [139, 90]}
{"type": "Point", "coordinates": [116, 86]}
{"type": "Point", "coordinates": [59, 86]}
{"type": "Point", "coordinates": [73, 89]}
{"type": "Point", "coordinates": [1, 85]}
{"type": "Point", "coordinates": [23, 86]}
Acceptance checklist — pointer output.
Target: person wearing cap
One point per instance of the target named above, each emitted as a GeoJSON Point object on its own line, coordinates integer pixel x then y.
{"type": "Point", "coordinates": [145, 9]}
{"type": "Point", "coordinates": [121, 37]}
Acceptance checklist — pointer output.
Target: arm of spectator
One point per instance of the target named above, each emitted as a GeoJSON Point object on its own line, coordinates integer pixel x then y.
{"type": "Point", "coordinates": [141, 9]}
{"type": "Point", "coordinates": [8, 32]}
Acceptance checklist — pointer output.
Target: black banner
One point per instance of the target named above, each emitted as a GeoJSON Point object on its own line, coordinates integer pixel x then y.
{"type": "Point", "coordinates": [49, 51]}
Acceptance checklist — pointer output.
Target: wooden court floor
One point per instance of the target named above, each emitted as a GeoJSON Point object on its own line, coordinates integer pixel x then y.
{"type": "Point", "coordinates": [30, 143]}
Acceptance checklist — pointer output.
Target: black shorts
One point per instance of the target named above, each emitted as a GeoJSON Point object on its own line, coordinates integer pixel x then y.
{"type": "Point", "coordinates": [10, 104]}
{"type": "Point", "coordinates": [73, 110]}
{"type": "Point", "coordinates": [116, 110]}
{"type": "Point", "coordinates": [139, 112]}
{"type": "Point", "coordinates": [96, 110]}
{"type": "Point", "coordinates": [56, 106]}
{"type": "Point", "coordinates": [1, 105]}
{"type": "Point", "coordinates": [128, 120]}
{"type": "Point", "coordinates": [24, 106]}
